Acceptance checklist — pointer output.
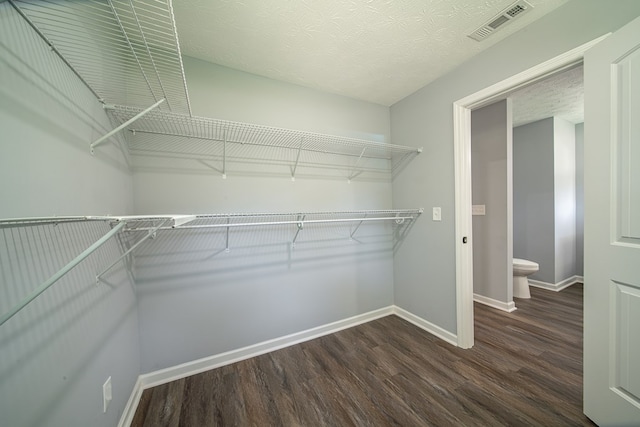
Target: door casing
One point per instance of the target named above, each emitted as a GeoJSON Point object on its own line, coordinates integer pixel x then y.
{"type": "Point", "coordinates": [462, 159]}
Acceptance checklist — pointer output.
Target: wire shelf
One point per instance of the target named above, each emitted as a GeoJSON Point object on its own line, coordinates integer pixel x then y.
{"type": "Point", "coordinates": [234, 220]}
{"type": "Point", "coordinates": [170, 134]}
{"type": "Point", "coordinates": [125, 51]}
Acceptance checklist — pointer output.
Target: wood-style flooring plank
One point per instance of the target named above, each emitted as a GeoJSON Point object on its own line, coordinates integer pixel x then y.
{"type": "Point", "coordinates": [525, 369]}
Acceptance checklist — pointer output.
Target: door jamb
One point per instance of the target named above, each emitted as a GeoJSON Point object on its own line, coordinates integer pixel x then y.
{"type": "Point", "coordinates": [462, 162]}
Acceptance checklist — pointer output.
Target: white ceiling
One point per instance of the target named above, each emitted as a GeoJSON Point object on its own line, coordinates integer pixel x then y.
{"type": "Point", "coordinates": [374, 50]}
{"type": "Point", "coordinates": [561, 95]}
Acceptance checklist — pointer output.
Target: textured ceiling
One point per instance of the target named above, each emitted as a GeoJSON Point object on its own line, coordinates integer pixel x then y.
{"type": "Point", "coordinates": [375, 50]}
{"type": "Point", "coordinates": [561, 95]}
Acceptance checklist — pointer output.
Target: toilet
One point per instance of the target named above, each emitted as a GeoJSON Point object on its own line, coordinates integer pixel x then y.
{"type": "Point", "coordinates": [521, 269]}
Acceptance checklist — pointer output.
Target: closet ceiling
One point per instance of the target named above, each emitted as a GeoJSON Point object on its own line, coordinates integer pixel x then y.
{"type": "Point", "coordinates": [377, 51]}
{"type": "Point", "coordinates": [561, 95]}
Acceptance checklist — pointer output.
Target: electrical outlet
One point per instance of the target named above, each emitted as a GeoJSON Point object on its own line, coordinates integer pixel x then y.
{"type": "Point", "coordinates": [106, 394]}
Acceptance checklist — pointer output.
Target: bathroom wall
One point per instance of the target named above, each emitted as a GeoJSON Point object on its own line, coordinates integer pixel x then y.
{"type": "Point", "coordinates": [580, 199]}
{"type": "Point", "coordinates": [564, 164]}
{"type": "Point", "coordinates": [533, 198]}
{"type": "Point", "coordinates": [492, 187]}
{"type": "Point", "coordinates": [544, 223]}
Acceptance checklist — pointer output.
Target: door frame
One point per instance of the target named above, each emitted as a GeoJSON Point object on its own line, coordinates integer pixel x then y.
{"type": "Point", "coordinates": [462, 163]}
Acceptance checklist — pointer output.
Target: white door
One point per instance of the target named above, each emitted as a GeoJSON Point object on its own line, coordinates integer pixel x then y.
{"type": "Point", "coordinates": [612, 229]}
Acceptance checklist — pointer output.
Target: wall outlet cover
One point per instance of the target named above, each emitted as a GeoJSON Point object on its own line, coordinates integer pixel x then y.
{"type": "Point", "coordinates": [106, 394]}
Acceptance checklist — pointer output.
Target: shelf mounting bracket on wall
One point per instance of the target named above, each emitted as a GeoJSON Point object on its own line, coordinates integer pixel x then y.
{"type": "Point", "coordinates": [224, 156]}
{"type": "Point", "coordinates": [300, 226]}
{"type": "Point", "coordinates": [102, 139]}
{"type": "Point", "coordinates": [150, 233]}
{"type": "Point", "coordinates": [357, 226]}
{"type": "Point", "coordinates": [354, 173]}
{"type": "Point", "coordinates": [53, 279]}
{"type": "Point", "coordinates": [226, 249]}
{"type": "Point", "coordinates": [295, 166]}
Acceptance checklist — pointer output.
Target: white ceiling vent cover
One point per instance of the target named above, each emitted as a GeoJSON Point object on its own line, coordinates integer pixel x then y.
{"type": "Point", "coordinates": [516, 10]}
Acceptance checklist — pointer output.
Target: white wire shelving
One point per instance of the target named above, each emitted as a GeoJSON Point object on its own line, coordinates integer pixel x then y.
{"type": "Point", "coordinates": [125, 51]}
{"type": "Point", "coordinates": [149, 225]}
{"type": "Point", "coordinates": [168, 134]}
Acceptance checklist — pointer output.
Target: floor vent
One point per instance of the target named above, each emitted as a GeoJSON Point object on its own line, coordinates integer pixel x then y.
{"type": "Point", "coordinates": [515, 10]}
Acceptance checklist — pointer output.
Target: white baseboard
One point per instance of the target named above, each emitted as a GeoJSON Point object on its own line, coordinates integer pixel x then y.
{"type": "Point", "coordinates": [500, 305]}
{"type": "Point", "coordinates": [557, 287]}
{"type": "Point", "coordinates": [177, 372]}
{"type": "Point", "coordinates": [132, 404]}
{"type": "Point", "coordinates": [426, 325]}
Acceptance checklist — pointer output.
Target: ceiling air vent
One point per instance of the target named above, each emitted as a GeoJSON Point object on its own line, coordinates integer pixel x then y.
{"type": "Point", "coordinates": [515, 10]}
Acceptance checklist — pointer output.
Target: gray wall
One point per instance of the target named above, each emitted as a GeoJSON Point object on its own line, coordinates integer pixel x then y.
{"type": "Point", "coordinates": [57, 352]}
{"type": "Point", "coordinates": [195, 300]}
{"type": "Point", "coordinates": [424, 267]}
{"type": "Point", "coordinates": [580, 199]}
{"type": "Point", "coordinates": [491, 163]}
{"type": "Point", "coordinates": [533, 197]}
{"type": "Point", "coordinates": [564, 159]}
{"type": "Point", "coordinates": [544, 187]}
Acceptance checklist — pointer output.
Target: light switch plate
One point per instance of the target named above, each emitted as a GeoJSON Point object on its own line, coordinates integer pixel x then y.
{"type": "Point", "coordinates": [437, 214]}
{"type": "Point", "coordinates": [478, 210]}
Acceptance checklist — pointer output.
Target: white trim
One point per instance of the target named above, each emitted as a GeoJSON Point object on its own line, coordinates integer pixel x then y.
{"type": "Point", "coordinates": [462, 162]}
{"type": "Point", "coordinates": [464, 227]}
{"type": "Point", "coordinates": [132, 404]}
{"type": "Point", "coordinates": [177, 372]}
{"type": "Point", "coordinates": [500, 305]}
{"type": "Point", "coordinates": [426, 325]}
{"type": "Point", "coordinates": [557, 287]}
{"type": "Point", "coordinates": [184, 370]}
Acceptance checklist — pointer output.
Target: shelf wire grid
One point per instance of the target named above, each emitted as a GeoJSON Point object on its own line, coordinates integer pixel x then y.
{"type": "Point", "coordinates": [171, 134]}
{"type": "Point", "coordinates": [126, 51]}
{"type": "Point", "coordinates": [240, 220]}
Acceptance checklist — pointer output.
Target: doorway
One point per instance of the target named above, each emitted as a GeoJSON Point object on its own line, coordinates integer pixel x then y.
{"type": "Point", "coordinates": [462, 158]}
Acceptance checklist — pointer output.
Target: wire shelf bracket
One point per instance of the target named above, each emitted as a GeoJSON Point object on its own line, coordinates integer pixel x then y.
{"type": "Point", "coordinates": [102, 139]}
{"type": "Point", "coordinates": [57, 276]}
{"type": "Point", "coordinates": [150, 234]}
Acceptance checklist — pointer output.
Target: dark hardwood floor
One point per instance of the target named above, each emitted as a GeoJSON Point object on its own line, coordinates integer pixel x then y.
{"type": "Point", "coordinates": [525, 369]}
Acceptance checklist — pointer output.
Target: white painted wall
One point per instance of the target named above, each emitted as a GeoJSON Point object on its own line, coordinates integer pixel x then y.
{"type": "Point", "coordinates": [492, 181]}
{"type": "Point", "coordinates": [196, 301]}
{"type": "Point", "coordinates": [580, 199]}
{"type": "Point", "coordinates": [544, 185]}
{"type": "Point", "coordinates": [533, 197]}
{"type": "Point", "coordinates": [564, 162]}
{"type": "Point", "coordinates": [57, 352]}
{"type": "Point", "coordinates": [424, 266]}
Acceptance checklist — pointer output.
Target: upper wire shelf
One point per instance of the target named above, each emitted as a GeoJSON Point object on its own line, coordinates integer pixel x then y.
{"type": "Point", "coordinates": [128, 54]}
{"type": "Point", "coordinates": [125, 51]}
{"type": "Point", "coordinates": [170, 134]}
